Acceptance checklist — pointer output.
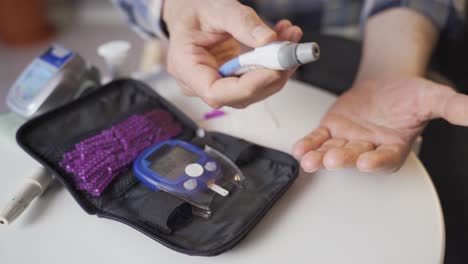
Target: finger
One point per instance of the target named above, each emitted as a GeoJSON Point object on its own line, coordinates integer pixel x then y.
{"type": "Point", "coordinates": [313, 160]}
{"type": "Point", "coordinates": [282, 24]}
{"type": "Point", "coordinates": [200, 38]}
{"type": "Point", "coordinates": [186, 90]}
{"type": "Point", "coordinates": [332, 143]}
{"type": "Point", "coordinates": [228, 48]}
{"type": "Point", "coordinates": [451, 106]}
{"type": "Point", "coordinates": [192, 66]}
{"type": "Point", "coordinates": [386, 158]}
{"type": "Point", "coordinates": [310, 142]}
{"type": "Point", "coordinates": [253, 85]}
{"type": "Point", "coordinates": [243, 23]}
{"type": "Point", "coordinates": [293, 34]}
{"type": "Point", "coordinates": [286, 31]}
{"type": "Point", "coordinates": [226, 57]}
{"type": "Point", "coordinates": [346, 156]}
{"type": "Point", "coordinates": [262, 94]}
{"type": "Point", "coordinates": [297, 34]}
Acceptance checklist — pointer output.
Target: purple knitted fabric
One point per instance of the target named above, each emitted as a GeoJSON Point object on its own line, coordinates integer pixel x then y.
{"type": "Point", "coordinates": [96, 161]}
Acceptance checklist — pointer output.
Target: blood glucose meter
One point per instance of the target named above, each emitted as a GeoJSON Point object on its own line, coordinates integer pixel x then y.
{"type": "Point", "coordinates": [179, 168]}
{"type": "Point", "coordinates": [52, 79]}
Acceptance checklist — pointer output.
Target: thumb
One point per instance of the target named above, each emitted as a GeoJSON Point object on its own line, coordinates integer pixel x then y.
{"type": "Point", "coordinates": [243, 23]}
{"type": "Point", "coordinates": [451, 106]}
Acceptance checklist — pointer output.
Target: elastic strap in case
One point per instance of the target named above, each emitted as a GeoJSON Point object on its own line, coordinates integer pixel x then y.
{"type": "Point", "coordinates": [164, 211]}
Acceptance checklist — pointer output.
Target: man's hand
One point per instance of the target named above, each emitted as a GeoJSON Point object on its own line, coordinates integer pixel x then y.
{"type": "Point", "coordinates": [373, 125]}
{"type": "Point", "coordinates": [206, 33]}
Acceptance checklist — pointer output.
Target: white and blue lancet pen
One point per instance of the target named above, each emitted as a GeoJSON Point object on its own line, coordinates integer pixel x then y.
{"type": "Point", "coordinates": [280, 56]}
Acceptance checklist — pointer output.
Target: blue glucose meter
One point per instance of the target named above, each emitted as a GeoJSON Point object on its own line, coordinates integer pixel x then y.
{"type": "Point", "coordinates": [179, 168]}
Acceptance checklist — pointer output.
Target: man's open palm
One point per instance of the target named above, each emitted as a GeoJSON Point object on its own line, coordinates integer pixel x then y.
{"type": "Point", "coordinates": [372, 126]}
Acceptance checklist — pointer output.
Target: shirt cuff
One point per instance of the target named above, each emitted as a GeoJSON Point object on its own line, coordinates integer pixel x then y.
{"type": "Point", "coordinates": [144, 17]}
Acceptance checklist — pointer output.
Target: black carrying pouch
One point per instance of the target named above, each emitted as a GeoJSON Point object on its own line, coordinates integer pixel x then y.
{"type": "Point", "coordinates": [161, 216]}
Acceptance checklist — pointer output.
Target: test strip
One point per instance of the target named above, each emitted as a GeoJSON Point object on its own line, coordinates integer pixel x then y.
{"type": "Point", "coordinates": [218, 189]}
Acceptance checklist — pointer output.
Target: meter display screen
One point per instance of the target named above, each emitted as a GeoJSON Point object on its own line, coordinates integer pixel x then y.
{"type": "Point", "coordinates": [170, 161]}
{"type": "Point", "coordinates": [40, 71]}
{"type": "Point", "coordinates": [39, 80]}
{"type": "Point", "coordinates": [34, 78]}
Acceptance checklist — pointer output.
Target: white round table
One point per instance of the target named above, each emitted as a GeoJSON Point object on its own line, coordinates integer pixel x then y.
{"type": "Point", "coordinates": [342, 216]}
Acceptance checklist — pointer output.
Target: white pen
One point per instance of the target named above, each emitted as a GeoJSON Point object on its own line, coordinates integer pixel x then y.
{"type": "Point", "coordinates": [283, 55]}
{"type": "Point", "coordinates": [31, 188]}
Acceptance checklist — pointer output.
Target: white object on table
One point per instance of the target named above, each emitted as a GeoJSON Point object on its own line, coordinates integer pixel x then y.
{"type": "Point", "coordinates": [115, 54]}
{"type": "Point", "coordinates": [31, 188]}
{"type": "Point", "coordinates": [342, 216]}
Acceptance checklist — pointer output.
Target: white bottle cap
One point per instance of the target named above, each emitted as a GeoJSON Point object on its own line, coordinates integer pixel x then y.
{"type": "Point", "coordinates": [114, 53]}
{"type": "Point", "coordinates": [307, 52]}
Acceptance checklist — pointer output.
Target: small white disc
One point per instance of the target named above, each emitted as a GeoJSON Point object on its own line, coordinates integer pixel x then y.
{"type": "Point", "coordinates": [210, 166]}
{"type": "Point", "coordinates": [194, 170]}
{"type": "Point", "coordinates": [190, 184]}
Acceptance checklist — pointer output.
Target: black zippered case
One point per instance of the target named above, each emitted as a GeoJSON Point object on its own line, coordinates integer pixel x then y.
{"type": "Point", "coordinates": [159, 215]}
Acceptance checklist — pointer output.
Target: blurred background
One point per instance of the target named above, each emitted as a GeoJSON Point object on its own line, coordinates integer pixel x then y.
{"type": "Point", "coordinates": [27, 27]}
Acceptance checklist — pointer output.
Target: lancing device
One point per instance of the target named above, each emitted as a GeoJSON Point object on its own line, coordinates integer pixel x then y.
{"type": "Point", "coordinates": [281, 56]}
{"type": "Point", "coordinates": [31, 188]}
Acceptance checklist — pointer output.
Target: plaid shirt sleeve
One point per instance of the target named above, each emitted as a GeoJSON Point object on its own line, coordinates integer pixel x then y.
{"type": "Point", "coordinates": [446, 15]}
{"type": "Point", "coordinates": [144, 17]}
